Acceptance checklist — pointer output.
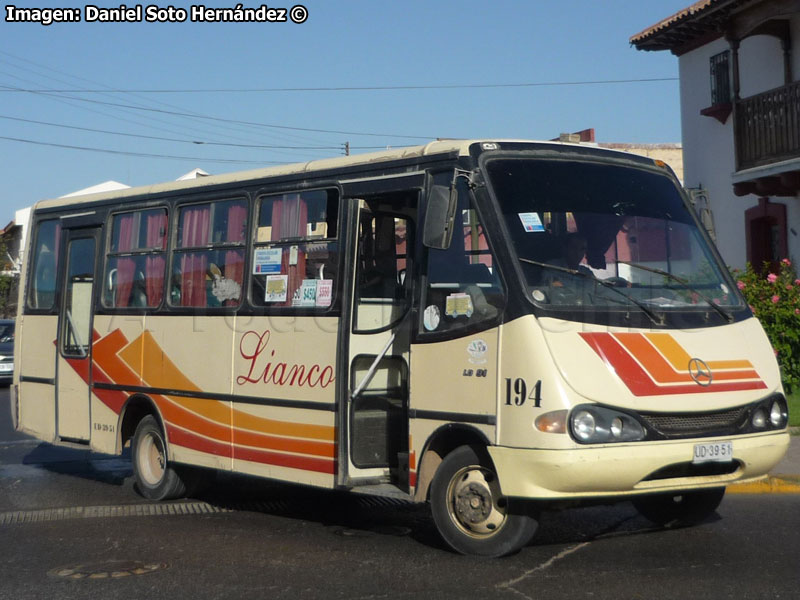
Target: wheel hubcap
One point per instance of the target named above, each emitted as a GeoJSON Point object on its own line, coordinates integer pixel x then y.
{"type": "Point", "coordinates": [152, 460]}
{"type": "Point", "coordinates": [474, 497]}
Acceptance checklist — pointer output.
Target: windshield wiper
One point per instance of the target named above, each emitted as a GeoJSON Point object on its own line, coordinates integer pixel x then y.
{"type": "Point", "coordinates": [652, 315]}
{"type": "Point", "coordinates": [723, 313]}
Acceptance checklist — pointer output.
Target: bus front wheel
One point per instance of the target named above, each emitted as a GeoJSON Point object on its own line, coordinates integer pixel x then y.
{"type": "Point", "coordinates": [155, 478]}
{"type": "Point", "coordinates": [688, 508]}
{"type": "Point", "coordinates": [469, 511]}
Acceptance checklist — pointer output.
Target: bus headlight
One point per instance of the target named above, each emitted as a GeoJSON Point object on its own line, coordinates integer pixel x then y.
{"type": "Point", "coordinates": [584, 425]}
{"type": "Point", "coordinates": [759, 418]}
{"type": "Point", "coordinates": [769, 414]}
{"type": "Point", "coordinates": [778, 414]}
{"type": "Point", "coordinates": [617, 426]}
{"type": "Point", "coordinates": [600, 425]}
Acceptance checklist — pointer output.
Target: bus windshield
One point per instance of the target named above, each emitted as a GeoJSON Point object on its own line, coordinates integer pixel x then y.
{"type": "Point", "coordinates": [598, 239]}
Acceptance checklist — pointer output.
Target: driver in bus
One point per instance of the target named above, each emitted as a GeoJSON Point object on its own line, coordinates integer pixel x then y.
{"type": "Point", "coordinates": [574, 253]}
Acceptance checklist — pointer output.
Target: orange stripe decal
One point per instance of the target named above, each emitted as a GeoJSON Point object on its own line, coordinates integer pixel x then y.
{"type": "Point", "coordinates": [243, 420]}
{"type": "Point", "coordinates": [160, 372]}
{"type": "Point", "coordinates": [679, 358]}
{"type": "Point", "coordinates": [664, 372]}
{"type": "Point", "coordinates": [650, 365]}
{"type": "Point", "coordinates": [209, 426]}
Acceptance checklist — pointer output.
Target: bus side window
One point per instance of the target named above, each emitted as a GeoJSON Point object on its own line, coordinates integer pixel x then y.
{"type": "Point", "coordinates": [45, 262]}
{"type": "Point", "coordinates": [45, 282]}
{"type": "Point", "coordinates": [464, 286]}
{"type": "Point", "coordinates": [296, 254]}
{"type": "Point", "coordinates": [134, 272]}
{"type": "Point", "coordinates": [208, 260]}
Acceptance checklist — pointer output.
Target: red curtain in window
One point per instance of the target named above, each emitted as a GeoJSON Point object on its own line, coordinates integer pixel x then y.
{"type": "Point", "coordinates": [126, 266]}
{"type": "Point", "coordinates": [234, 259]}
{"type": "Point", "coordinates": [194, 232]}
{"type": "Point", "coordinates": [277, 213]}
{"type": "Point", "coordinates": [290, 219]}
{"type": "Point", "coordinates": [154, 265]}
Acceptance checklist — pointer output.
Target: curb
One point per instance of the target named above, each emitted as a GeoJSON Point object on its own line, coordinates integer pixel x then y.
{"type": "Point", "coordinates": [772, 484]}
{"type": "Point", "coordinates": [779, 483]}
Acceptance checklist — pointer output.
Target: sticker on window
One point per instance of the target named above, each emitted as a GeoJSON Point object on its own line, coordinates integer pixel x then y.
{"type": "Point", "coordinates": [457, 305]}
{"type": "Point", "coordinates": [276, 288]}
{"type": "Point", "coordinates": [431, 318]}
{"type": "Point", "coordinates": [267, 260]}
{"type": "Point", "coordinates": [224, 289]}
{"type": "Point", "coordinates": [324, 292]}
{"type": "Point", "coordinates": [531, 222]}
{"type": "Point", "coordinates": [306, 294]}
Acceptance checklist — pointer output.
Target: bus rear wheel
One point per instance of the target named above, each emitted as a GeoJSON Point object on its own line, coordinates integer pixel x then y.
{"type": "Point", "coordinates": [688, 508]}
{"type": "Point", "coordinates": [155, 478]}
{"type": "Point", "coordinates": [470, 513]}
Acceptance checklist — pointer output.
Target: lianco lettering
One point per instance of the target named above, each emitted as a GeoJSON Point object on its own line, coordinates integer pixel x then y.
{"type": "Point", "coordinates": [263, 367]}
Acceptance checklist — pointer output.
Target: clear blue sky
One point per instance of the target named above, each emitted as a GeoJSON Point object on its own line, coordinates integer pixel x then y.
{"type": "Point", "coordinates": [344, 44]}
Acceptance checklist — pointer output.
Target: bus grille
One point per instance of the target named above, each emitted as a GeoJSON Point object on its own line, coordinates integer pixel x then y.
{"type": "Point", "coordinates": [696, 424]}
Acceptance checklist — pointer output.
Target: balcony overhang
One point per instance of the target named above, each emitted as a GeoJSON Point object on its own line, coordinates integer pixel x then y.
{"type": "Point", "coordinates": [695, 25]}
{"type": "Point", "coordinates": [707, 20]}
{"type": "Point", "coordinates": [777, 179]}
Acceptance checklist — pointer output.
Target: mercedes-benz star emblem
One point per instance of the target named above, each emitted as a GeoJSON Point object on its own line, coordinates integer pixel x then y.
{"type": "Point", "coordinates": [700, 372]}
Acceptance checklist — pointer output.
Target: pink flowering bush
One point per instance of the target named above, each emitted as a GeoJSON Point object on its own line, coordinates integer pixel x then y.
{"type": "Point", "coordinates": [775, 299]}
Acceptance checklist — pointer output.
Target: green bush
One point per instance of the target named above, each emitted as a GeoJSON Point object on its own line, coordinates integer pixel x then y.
{"type": "Point", "coordinates": [775, 299]}
{"type": "Point", "coordinates": [794, 409]}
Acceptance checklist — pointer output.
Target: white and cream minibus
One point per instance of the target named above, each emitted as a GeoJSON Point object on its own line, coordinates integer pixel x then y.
{"type": "Point", "coordinates": [492, 327]}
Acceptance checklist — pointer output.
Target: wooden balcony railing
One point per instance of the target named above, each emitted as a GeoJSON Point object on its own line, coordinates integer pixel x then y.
{"type": "Point", "coordinates": [768, 127]}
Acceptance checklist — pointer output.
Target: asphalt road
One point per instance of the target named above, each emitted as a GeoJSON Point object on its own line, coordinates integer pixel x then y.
{"type": "Point", "coordinates": [71, 526]}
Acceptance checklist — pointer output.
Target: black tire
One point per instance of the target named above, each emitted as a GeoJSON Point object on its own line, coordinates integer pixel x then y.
{"type": "Point", "coordinates": [470, 513]}
{"type": "Point", "coordinates": [155, 478]}
{"type": "Point", "coordinates": [689, 508]}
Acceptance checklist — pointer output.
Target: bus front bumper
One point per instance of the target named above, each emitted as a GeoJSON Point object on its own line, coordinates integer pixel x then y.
{"type": "Point", "coordinates": [627, 469]}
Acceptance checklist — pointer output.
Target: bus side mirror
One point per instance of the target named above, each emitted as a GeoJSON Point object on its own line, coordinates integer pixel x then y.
{"type": "Point", "coordinates": [440, 217]}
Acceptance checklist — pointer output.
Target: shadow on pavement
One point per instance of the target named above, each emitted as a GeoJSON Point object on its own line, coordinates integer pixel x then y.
{"type": "Point", "coordinates": [81, 463]}
{"type": "Point", "coordinates": [347, 514]}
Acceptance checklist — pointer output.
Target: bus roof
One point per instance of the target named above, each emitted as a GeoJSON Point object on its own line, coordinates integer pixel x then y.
{"type": "Point", "coordinates": [448, 146]}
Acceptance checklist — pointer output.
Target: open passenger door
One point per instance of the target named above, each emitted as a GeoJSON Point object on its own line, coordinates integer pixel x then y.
{"type": "Point", "coordinates": [374, 439]}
